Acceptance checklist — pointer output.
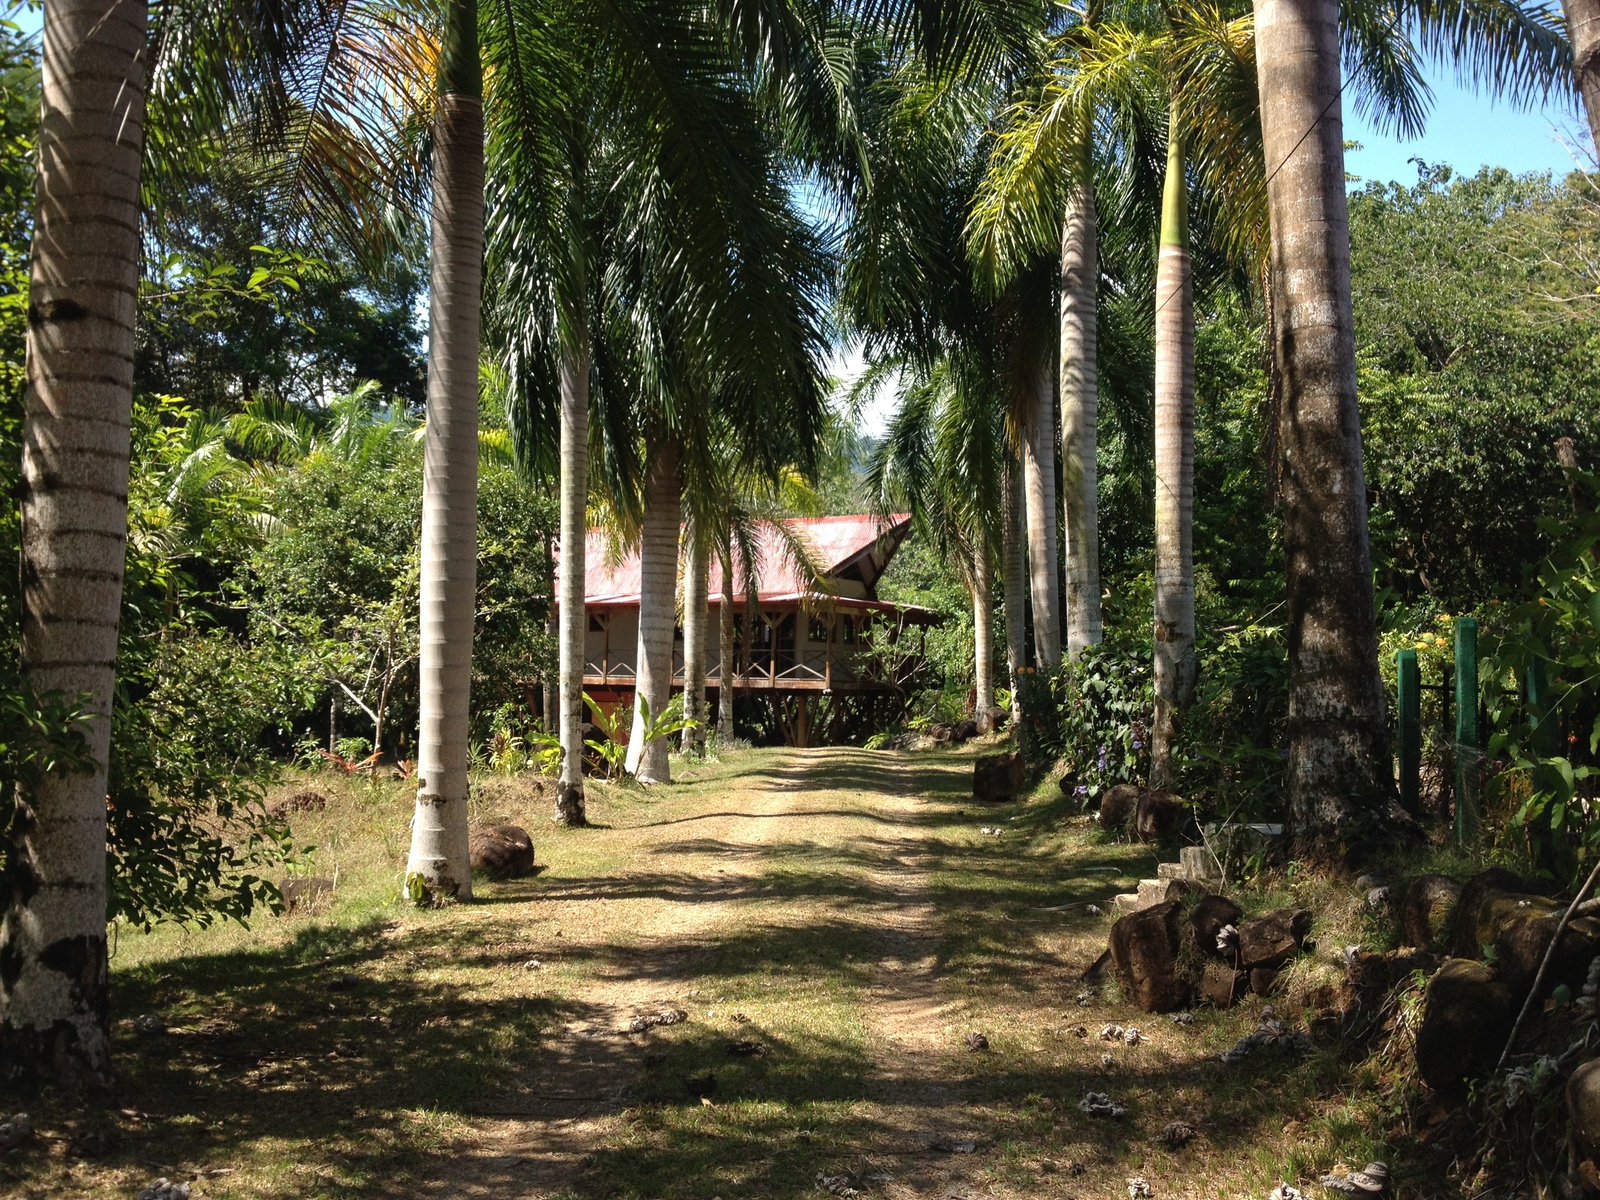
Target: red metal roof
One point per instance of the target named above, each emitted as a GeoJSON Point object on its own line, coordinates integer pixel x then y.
{"type": "Point", "coordinates": [857, 547]}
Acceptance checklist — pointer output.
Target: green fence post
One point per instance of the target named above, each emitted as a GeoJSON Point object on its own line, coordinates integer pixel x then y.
{"type": "Point", "coordinates": [1539, 722]}
{"type": "Point", "coordinates": [1542, 729]}
{"type": "Point", "coordinates": [1408, 697]}
{"type": "Point", "coordinates": [1466, 749]}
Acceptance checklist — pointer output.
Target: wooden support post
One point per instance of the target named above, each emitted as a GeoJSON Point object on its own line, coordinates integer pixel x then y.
{"type": "Point", "coordinates": [1408, 696]}
{"type": "Point", "coordinates": [1466, 748]}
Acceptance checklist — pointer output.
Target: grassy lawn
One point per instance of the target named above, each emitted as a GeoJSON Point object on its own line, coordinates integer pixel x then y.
{"type": "Point", "coordinates": [843, 908]}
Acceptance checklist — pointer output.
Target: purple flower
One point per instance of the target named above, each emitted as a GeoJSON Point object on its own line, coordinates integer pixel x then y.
{"type": "Point", "coordinates": [1081, 790]}
{"type": "Point", "coordinates": [1137, 744]}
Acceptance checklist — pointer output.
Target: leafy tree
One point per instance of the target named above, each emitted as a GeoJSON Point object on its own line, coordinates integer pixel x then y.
{"type": "Point", "coordinates": [1475, 335]}
{"type": "Point", "coordinates": [279, 321]}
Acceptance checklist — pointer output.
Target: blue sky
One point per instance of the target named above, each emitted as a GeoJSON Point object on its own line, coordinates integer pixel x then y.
{"type": "Point", "coordinates": [1468, 131]}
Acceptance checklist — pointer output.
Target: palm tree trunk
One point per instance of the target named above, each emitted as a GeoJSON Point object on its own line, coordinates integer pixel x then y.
{"type": "Point", "coordinates": [570, 808]}
{"type": "Point", "coordinates": [725, 652]}
{"type": "Point", "coordinates": [1080, 415]}
{"type": "Point", "coordinates": [1583, 30]}
{"type": "Point", "coordinates": [696, 619]}
{"type": "Point", "coordinates": [439, 866]}
{"type": "Point", "coordinates": [83, 282]}
{"type": "Point", "coordinates": [1339, 766]}
{"type": "Point", "coordinates": [551, 683]}
{"type": "Point", "coordinates": [983, 632]}
{"type": "Point", "coordinates": [1039, 474]}
{"type": "Point", "coordinates": [1013, 600]}
{"type": "Point", "coordinates": [658, 590]}
{"type": "Point", "coordinates": [1174, 436]}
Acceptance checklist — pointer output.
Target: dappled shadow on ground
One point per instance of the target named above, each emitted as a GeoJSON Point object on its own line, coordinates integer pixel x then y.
{"type": "Point", "coordinates": [428, 1059]}
{"type": "Point", "coordinates": [334, 1039]}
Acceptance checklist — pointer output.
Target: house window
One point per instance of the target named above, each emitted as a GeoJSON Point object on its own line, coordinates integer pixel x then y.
{"type": "Point", "coordinates": [596, 623]}
{"type": "Point", "coordinates": [847, 630]}
{"type": "Point", "coordinates": [817, 630]}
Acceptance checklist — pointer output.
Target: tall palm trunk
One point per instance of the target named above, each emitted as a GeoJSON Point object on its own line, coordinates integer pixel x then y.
{"type": "Point", "coordinates": [83, 281]}
{"type": "Point", "coordinates": [1174, 430]}
{"type": "Point", "coordinates": [983, 631]}
{"type": "Point", "coordinates": [552, 629]}
{"type": "Point", "coordinates": [1039, 475]}
{"type": "Point", "coordinates": [1080, 414]}
{"type": "Point", "coordinates": [696, 619]}
{"type": "Point", "coordinates": [1338, 764]}
{"type": "Point", "coordinates": [1013, 600]}
{"type": "Point", "coordinates": [439, 865]}
{"type": "Point", "coordinates": [658, 590]}
{"type": "Point", "coordinates": [727, 667]}
{"type": "Point", "coordinates": [1583, 30]}
{"type": "Point", "coordinates": [570, 808]}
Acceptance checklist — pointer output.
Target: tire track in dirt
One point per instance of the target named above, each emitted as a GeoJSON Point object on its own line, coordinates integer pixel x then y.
{"type": "Point", "coordinates": [595, 1064]}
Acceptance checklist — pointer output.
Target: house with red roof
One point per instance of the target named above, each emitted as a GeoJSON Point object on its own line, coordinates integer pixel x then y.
{"type": "Point", "coordinates": [813, 643]}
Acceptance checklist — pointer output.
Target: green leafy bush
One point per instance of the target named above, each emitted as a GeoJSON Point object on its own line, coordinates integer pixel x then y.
{"type": "Point", "coordinates": [1547, 744]}
{"type": "Point", "coordinates": [1231, 748]}
{"type": "Point", "coordinates": [189, 837]}
{"type": "Point", "coordinates": [1095, 714]}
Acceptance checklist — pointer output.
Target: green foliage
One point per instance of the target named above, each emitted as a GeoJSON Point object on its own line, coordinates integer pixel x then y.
{"type": "Point", "coordinates": [613, 748]}
{"type": "Point", "coordinates": [189, 837]}
{"type": "Point", "coordinates": [918, 575]}
{"type": "Point", "coordinates": [230, 311]}
{"type": "Point", "coordinates": [1095, 714]}
{"type": "Point", "coordinates": [1475, 327]}
{"type": "Point", "coordinates": [1231, 748]}
{"type": "Point", "coordinates": [511, 645]}
{"type": "Point", "coordinates": [515, 744]}
{"type": "Point", "coordinates": [1551, 747]}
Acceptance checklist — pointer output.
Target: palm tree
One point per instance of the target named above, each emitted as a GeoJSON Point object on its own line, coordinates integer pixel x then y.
{"type": "Point", "coordinates": [1339, 767]}
{"type": "Point", "coordinates": [1013, 594]}
{"type": "Point", "coordinates": [1174, 452]}
{"type": "Point", "coordinates": [1338, 748]}
{"type": "Point", "coordinates": [82, 283]}
{"type": "Point", "coordinates": [725, 653]}
{"type": "Point", "coordinates": [636, 258]}
{"type": "Point", "coordinates": [439, 867]}
{"type": "Point", "coordinates": [1038, 443]}
{"type": "Point", "coordinates": [574, 618]}
{"type": "Point", "coordinates": [1583, 30]}
{"type": "Point", "coordinates": [941, 459]}
{"type": "Point", "coordinates": [696, 619]}
{"type": "Point", "coordinates": [914, 301]}
{"type": "Point", "coordinates": [658, 589]}
{"type": "Point", "coordinates": [1080, 404]}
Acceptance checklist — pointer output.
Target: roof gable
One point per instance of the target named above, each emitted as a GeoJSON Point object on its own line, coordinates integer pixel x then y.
{"type": "Point", "coordinates": [849, 549]}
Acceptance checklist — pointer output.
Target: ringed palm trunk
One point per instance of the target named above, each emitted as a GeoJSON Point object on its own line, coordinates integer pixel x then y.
{"type": "Point", "coordinates": [983, 632]}
{"type": "Point", "coordinates": [1174, 438]}
{"type": "Point", "coordinates": [1583, 30]}
{"type": "Point", "coordinates": [82, 285]}
{"type": "Point", "coordinates": [696, 619]}
{"type": "Point", "coordinates": [1339, 766]}
{"type": "Point", "coordinates": [1013, 602]}
{"type": "Point", "coordinates": [1039, 475]}
{"type": "Point", "coordinates": [658, 590]}
{"type": "Point", "coordinates": [725, 657]}
{"type": "Point", "coordinates": [439, 867]}
{"type": "Point", "coordinates": [551, 683]}
{"type": "Point", "coordinates": [574, 616]}
{"type": "Point", "coordinates": [1080, 414]}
